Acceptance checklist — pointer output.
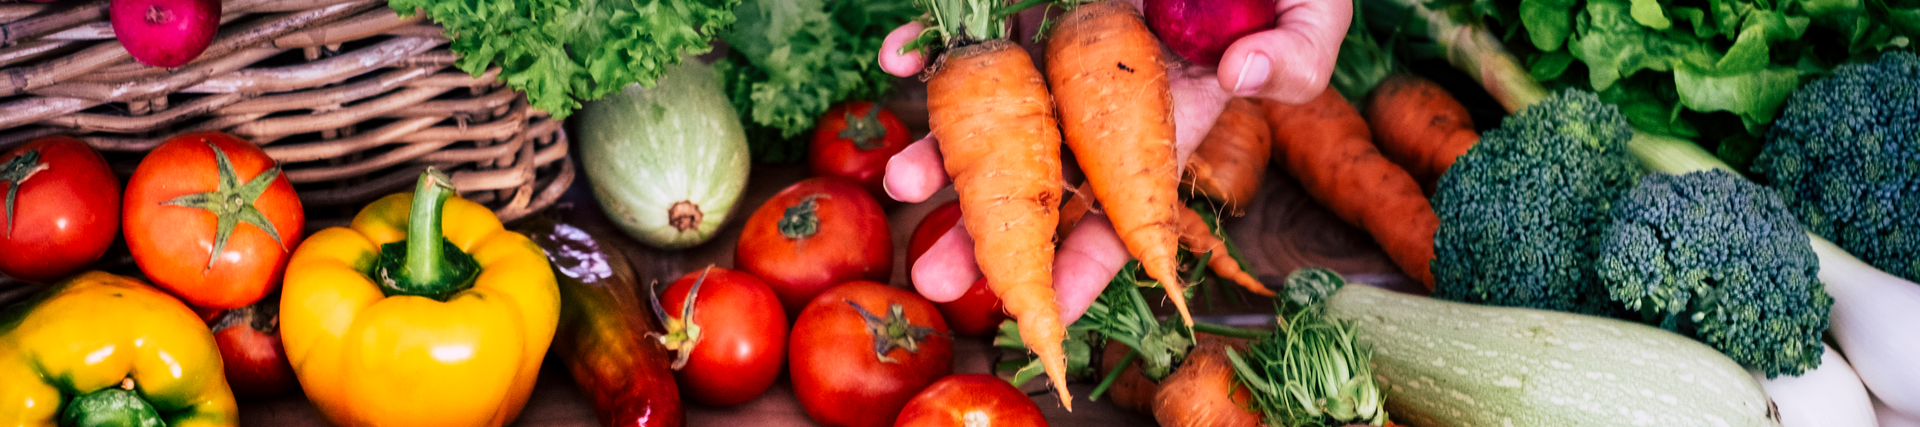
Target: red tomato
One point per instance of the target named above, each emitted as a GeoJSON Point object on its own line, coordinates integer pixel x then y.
{"type": "Point", "coordinates": [815, 234]}
{"type": "Point", "coordinates": [971, 400]}
{"type": "Point", "coordinates": [249, 340]}
{"type": "Point", "coordinates": [848, 370]}
{"type": "Point", "coordinates": [854, 141]}
{"type": "Point", "coordinates": [175, 202]}
{"type": "Point", "coordinates": [743, 336]}
{"type": "Point", "coordinates": [62, 209]}
{"type": "Point", "coordinates": [977, 312]}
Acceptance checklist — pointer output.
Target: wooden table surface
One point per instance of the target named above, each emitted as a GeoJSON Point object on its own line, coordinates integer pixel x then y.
{"type": "Point", "coordinates": [1284, 230]}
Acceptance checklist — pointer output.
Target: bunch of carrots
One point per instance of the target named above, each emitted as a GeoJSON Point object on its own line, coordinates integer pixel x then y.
{"type": "Point", "coordinates": [1106, 84]}
{"type": "Point", "coordinates": [994, 115]}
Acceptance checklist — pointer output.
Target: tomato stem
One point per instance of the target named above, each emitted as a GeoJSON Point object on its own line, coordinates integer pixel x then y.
{"type": "Point", "coordinates": [15, 172]}
{"type": "Point", "coordinates": [801, 220]}
{"type": "Point", "coordinates": [865, 132]}
{"type": "Point", "coordinates": [682, 334]}
{"type": "Point", "coordinates": [893, 331]}
{"type": "Point", "coordinates": [426, 263]}
{"type": "Point", "coordinates": [232, 204]}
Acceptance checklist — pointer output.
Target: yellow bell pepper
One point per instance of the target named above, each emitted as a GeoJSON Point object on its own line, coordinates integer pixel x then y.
{"type": "Point", "coordinates": [105, 348]}
{"type": "Point", "coordinates": [388, 323]}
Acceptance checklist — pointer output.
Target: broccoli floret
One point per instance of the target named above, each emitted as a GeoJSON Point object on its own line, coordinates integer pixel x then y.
{"type": "Point", "coordinates": [1522, 211]}
{"type": "Point", "coordinates": [1719, 258]}
{"type": "Point", "coordinates": [1845, 156]}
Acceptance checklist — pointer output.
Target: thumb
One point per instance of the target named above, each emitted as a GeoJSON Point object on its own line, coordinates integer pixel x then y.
{"type": "Point", "coordinates": [902, 64]}
{"type": "Point", "coordinates": [1292, 62]}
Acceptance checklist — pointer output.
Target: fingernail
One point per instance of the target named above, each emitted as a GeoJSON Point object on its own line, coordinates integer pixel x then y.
{"type": "Point", "coordinates": [1253, 74]}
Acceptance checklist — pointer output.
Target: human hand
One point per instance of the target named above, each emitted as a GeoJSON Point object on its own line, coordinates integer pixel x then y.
{"type": "Point", "coordinates": [1289, 63]}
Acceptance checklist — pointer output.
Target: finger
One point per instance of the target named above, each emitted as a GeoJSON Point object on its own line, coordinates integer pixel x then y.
{"type": "Point", "coordinates": [915, 173]}
{"type": "Point", "coordinates": [945, 272]}
{"type": "Point", "coordinates": [903, 64]}
{"type": "Point", "coordinates": [1197, 103]}
{"type": "Point", "coordinates": [1086, 261]}
{"type": "Point", "coordinates": [1292, 62]}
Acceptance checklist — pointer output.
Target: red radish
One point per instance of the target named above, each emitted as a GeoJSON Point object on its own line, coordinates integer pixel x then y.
{"type": "Point", "coordinates": [1201, 30]}
{"type": "Point", "coordinates": [165, 33]}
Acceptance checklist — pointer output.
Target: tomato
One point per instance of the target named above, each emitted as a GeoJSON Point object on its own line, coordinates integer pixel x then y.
{"type": "Point", "coordinates": [971, 400]}
{"type": "Point", "coordinates": [854, 141]}
{"type": "Point", "coordinates": [742, 335]}
{"type": "Point", "coordinates": [815, 234]}
{"type": "Point", "coordinates": [249, 340]}
{"type": "Point", "coordinates": [62, 209]}
{"type": "Point", "coordinates": [214, 232]}
{"type": "Point", "coordinates": [862, 349]}
{"type": "Point", "coordinates": [977, 312]}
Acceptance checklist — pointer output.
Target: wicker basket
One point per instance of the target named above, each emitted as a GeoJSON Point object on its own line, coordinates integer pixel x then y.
{"type": "Point", "coordinates": [353, 100]}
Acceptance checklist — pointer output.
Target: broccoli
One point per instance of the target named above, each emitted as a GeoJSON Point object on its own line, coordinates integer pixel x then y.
{"type": "Point", "coordinates": [1845, 156]}
{"type": "Point", "coordinates": [1521, 212]}
{"type": "Point", "coordinates": [1716, 257]}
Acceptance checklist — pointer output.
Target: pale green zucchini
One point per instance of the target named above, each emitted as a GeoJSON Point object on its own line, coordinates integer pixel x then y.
{"type": "Point", "coordinates": [1449, 364]}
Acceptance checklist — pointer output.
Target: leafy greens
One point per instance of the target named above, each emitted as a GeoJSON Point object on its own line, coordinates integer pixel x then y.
{"type": "Point", "coordinates": [790, 60]}
{"type": "Point", "coordinates": [1710, 70]}
{"type": "Point", "coordinates": [561, 52]}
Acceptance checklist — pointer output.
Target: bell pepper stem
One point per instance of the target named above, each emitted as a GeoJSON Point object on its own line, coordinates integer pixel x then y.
{"type": "Point", "coordinates": [426, 263]}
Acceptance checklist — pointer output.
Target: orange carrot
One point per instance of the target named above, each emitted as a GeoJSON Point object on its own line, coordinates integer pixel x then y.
{"type": "Point", "coordinates": [1326, 146]}
{"type": "Point", "coordinates": [1230, 164]}
{"type": "Point", "coordinates": [1078, 205]}
{"type": "Point", "coordinates": [1132, 390]}
{"type": "Point", "coordinates": [1199, 240]}
{"type": "Point", "coordinates": [989, 109]}
{"type": "Point", "coordinates": [1203, 392]}
{"type": "Point", "coordinates": [1419, 126]}
{"type": "Point", "coordinates": [1109, 80]}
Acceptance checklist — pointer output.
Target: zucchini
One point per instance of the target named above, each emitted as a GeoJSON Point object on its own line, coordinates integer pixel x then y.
{"type": "Point", "coordinates": [1452, 364]}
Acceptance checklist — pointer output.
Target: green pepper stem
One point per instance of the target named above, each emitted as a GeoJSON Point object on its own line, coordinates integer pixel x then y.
{"type": "Point", "coordinates": [426, 263]}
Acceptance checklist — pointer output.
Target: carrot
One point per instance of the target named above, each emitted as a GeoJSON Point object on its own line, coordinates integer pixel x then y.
{"type": "Point", "coordinates": [1132, 390]}
{"type": "Point", "coordinates": [1078, 205]}
{"type": "Point", "coordinates": [1326, 146]}
{"type": "Point", "coordinates": [1109, 82]}
{"type": "Point", "coordinates": [1419, 126]}
{"type": "Point", "coordinates": [1203, 393]}
{"type": "Point", "coordinates": [1232, 161]}
{"type": "Point", "coordinates": [1199, 240]}
{"type": "Point", "coordinates": [990, 110]}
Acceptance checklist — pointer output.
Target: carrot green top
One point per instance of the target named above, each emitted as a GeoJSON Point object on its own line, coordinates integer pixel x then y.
{"type": "Point", "coordinates": [962, 22]}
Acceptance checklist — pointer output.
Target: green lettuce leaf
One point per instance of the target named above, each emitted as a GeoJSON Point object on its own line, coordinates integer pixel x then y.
{"type": "Point", "coordinates": [1548, 22]}
{"type": "Point", "coordinates": [561, 52]}
{"type": "Point", "coordinates": [791, 60]}
{"type": "Point", "coordinates": [1754, 96]}
{"type": "Point", "coordinates": [1715, 71]}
